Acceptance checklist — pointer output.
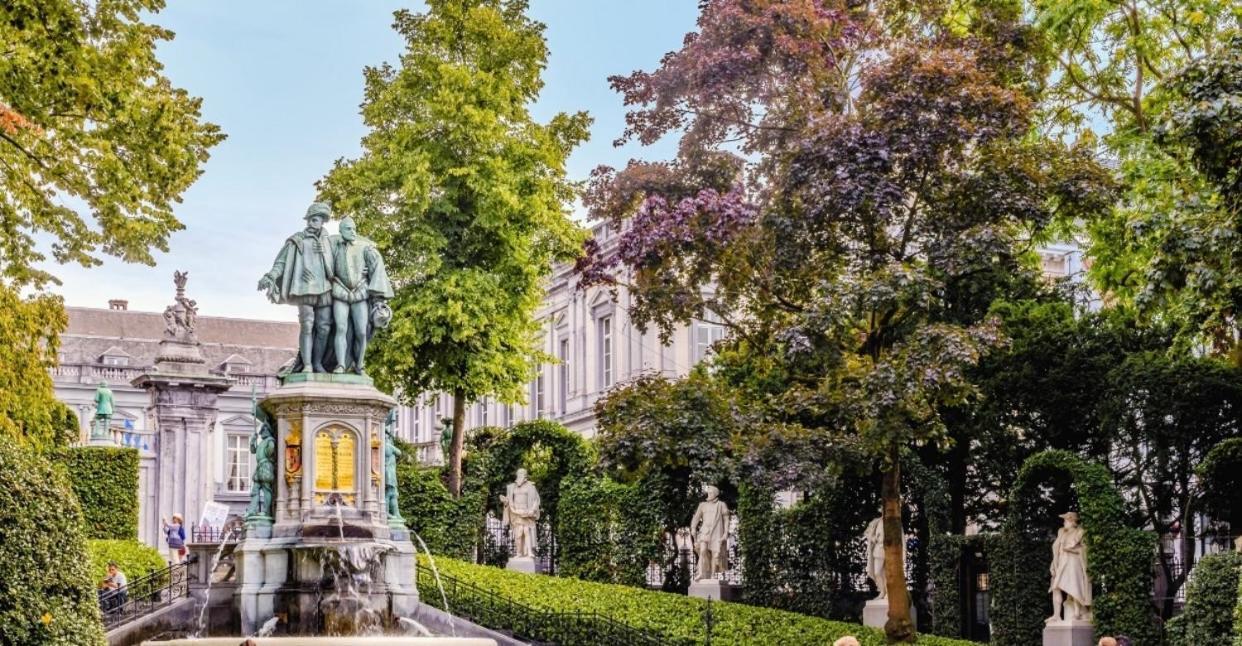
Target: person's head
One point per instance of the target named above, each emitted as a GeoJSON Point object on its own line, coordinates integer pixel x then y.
{"type": "Point", "coordinates": [711, 492]}
{"type": "Point", "coordinates": [1122, 640]}
{"type": "Point", "coordinates": [848, 640]}
{"type": "Point", "coordinates": [316, 215]}
{"type": "Point", "coordinates": [112, 567]}
{"type": "Point", "coordinates": [178, 519]}
{"type": "Point", "coordinates": [348, 230]}
{"type": "Point", "coordinates": [1107, 641]}
{"type": "Point", "coordinates": [521, 476]}
{"type": "Point", "coordinates": [1070, 518]}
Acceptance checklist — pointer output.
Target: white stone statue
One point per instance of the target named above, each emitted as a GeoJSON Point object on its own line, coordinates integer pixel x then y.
{"type": "Point", "coordinates": [710, 528]}
{"type": "Point", "coordinates": [521, 503]}
{"type": "Point", "coordinates": [1070, 586]}
{"type": "Point", "coordinates": [874, 535]}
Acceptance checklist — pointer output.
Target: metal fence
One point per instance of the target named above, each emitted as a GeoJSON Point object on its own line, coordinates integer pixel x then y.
{"type": "Point", "coordinates": [144, 595]}
{"type": "Point", "coordinates": [528, 623]}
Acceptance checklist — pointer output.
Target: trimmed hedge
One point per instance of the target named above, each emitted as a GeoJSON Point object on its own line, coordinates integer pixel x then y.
{"type": "Point", "coordinates": [47, 597]}
{"type": "Point", "coordinates": [608, 531]}
{"type": "Point", "coordinates": [1237, 616]}
{"type": "Point", "coordinates": [448, 526]}
{"type": "Point", "coordinates": [1210, 600]}
{"type": "Point", "coordinates": [133, 558]}
{"type": "Point", "coordinates": [677, 619]}
{"type": "Point", "coordinates": [1119, 557]}
{"type": "Point", "coordinates": [105, 481]}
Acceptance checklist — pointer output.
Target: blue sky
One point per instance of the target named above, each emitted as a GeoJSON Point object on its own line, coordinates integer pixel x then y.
{"type": "Point", "coordinates": [283, 79]}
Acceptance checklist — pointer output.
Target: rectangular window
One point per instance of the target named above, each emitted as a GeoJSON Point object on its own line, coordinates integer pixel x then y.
{"type": "Point", "coordinates": [707, 333]}
{"type": "Point", "coordinates": [237, 457]}
{"type": "Point", "coordinates": [563, 397]}
{"type": "Point", "coordinates": [541, 406]}
{"type": "Point", "coordinates": [416, 423]}
{"type": "Point", "coordinates": [506, 415]}
{"type": "Point", "coordinates": [604, 327]}
{"type": "Point", "coordinates": [483, 412]}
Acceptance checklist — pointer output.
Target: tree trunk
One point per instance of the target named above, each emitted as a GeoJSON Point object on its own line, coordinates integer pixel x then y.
{"type": "Point", "coordinates": [898, 628]}
{"type": "Point", "coordinates": [459, 440]}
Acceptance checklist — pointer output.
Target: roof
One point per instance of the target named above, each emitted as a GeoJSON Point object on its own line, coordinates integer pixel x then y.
{"type": "Point", "coordinates": [92, 332]}
{"type": "Point", "coordinates": [131, 324]}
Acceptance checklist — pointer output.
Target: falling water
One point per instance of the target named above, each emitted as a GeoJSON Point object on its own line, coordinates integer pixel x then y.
{"type": "Point", "coordinates": [431, 559]}
{"type": "Point", "coordinates": [413, 627]}
{"type": "Point", "coordinates": [215, 560]}
{"type": "Point", "coordinates": [268, 627]}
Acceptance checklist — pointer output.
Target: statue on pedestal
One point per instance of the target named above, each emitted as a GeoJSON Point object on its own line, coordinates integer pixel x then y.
{"type": "Point", "coordinates": [874, 536]}
{"type": "Point", "coordinates": [103, 411]}
{"type": "Point", "coordinates": [710, 528]}
{"type": "Point", "coordinates": [360, 288]}
{"type": "Point", "coordinates": [263, 446]}
{"type": "Point", "coordinates": [391, 455]}
{"type": "Point", "coordinates": [302, 275]}
{"type": "Point", "coordinates": [1070, 587]}
{"type": "Point", "coordinates": [521, 512]}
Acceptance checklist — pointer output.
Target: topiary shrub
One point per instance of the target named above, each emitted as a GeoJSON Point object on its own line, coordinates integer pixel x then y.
{"type": "Point", "coordinates": [105, 481]}
{"type": "Point", "coordinates": [674, 618]}
{"type": "Point", "coordinates": [1207, 617]}
{"type": "Point", "coordinates": [1118, 557]}
{"type": "Point", "coordinates": [133, 558]}
{"type": "Point", "coordinates": [448, 526]}
{"type": "Point", "coordinates": [609, 532]}
{"type": "Point", "coordinates": [47, 597]}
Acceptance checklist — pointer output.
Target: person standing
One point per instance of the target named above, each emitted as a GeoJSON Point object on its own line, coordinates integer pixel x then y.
{"type": "Point", "coordinates": [174, 535]}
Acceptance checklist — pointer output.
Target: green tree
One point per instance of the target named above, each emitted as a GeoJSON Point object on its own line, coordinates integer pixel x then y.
{"type": "Point", "coordinates": [88, 123]}
{"type": "Point", "coordinates": [1167, 246]}
{"type": "Point", "coordinates": [29, 337]}
{"type": "Point", "coordinates": [96, 146]}
{"type": "Point", "coordinates": [466, 196]}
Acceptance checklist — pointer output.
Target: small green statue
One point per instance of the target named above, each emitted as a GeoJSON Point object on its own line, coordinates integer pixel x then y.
{"type": "Point", "coordinates": [103, 411]}
{"type": "Point", "coordinates": [391, 455]}
{"type": "Point", "coordinates": [446, 438]}
{"type": "Point", "coordinates": [263, 446]}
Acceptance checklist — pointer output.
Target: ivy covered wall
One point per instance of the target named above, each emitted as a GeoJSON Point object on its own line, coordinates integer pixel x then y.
{"type": "Point", "coordinates": [105, 481]}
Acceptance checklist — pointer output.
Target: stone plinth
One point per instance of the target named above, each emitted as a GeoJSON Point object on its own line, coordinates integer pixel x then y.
{"type": "Point", "coordinates": [522, 564]}
{"type": "Point", "coordinates": [1069, 633]}
{"type": "Point", "coordinates": [330, 557]}
{"type": "Point", "coordinates": [714, 589]}
{"type": "Point", "coordinates": [875, 613]}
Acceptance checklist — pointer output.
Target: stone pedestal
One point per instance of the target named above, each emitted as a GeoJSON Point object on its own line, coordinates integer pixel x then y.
{"type": "Point", "coordinates": [875, 613]}
{"type": "Point", "coordinates": [1069, 633]}
{"type": "Point", "coordinates": [714, 589]}
{"type": "Point", "coordinates": [522, 564]}
{"type": "Point", "coordinates": [331, 556]}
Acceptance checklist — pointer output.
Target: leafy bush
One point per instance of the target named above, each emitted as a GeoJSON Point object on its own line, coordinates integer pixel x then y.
{"type": "Point", "coordinates": [448, 526]}
{"type": "Point", "coordinates": [105, 481]}
{"type": "Point", "coordinates": [1118, 556]}
{"type": "Point", "coordinates": [133, 558]}
{"type": "Point", "coordinates": [608, 531]}
{"type": "Point", "coordinates": [1210, 600]}
{"type": "Point", "coordinates": [677, 619]}
{"type": "Point", "coordinates": [1220, 479]}
{"type": "Point", "coordinates": [47, 597]}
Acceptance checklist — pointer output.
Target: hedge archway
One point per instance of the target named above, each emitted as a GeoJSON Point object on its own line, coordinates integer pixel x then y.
{"type": "Point", "coordinates": [1119, 558]}
{"type": "Point", "coordinates": [548, 451]}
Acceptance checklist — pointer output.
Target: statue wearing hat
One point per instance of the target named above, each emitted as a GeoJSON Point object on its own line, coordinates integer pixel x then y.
{"type": "Point", "coordinates": [1070, 588]}
{"type": "Point", "coordinates": [302, 275]}
{"type": "Point", "coordinates": [360, 289]}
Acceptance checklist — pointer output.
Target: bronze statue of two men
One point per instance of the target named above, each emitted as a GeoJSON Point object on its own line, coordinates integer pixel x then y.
{"type": "Point", "coordinates": [340, 287]}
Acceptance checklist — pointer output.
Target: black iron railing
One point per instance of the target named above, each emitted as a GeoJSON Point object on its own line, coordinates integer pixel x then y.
{"type": "Point", "coordinates": [146, 594]}
{"type": "Point", "coordinates": [536, 625]}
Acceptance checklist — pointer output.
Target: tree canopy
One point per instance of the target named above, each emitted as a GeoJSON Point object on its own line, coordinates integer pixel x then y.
{"type": "Point", "coordinates": [466, 196]}
{"type": "Point", "coordinates": [96, 144]}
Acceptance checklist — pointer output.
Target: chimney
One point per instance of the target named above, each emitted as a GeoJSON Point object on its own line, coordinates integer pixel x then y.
{"type": "Point", "coordinates": [118, 304]}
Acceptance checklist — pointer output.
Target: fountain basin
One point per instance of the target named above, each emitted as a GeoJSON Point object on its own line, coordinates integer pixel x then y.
{"type": "Point", "coordinates": [329, 641]}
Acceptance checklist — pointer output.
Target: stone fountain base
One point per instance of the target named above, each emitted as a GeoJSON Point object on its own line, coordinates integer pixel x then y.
{"type": "Point", "coordinates": [329, 559]}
